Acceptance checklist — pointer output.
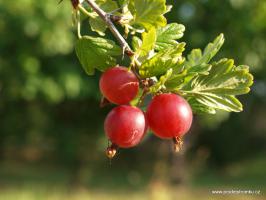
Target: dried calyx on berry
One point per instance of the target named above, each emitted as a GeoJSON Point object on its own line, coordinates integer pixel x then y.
{"type": "Point", "coordinates": [178, 144]}
{"type": "Point", "coordinates": [111, 151]}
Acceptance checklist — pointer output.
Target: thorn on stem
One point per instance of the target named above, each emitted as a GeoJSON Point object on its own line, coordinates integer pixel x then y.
{"type": "Point", "coordinates": [129, 52]}
{"type": "Point", "coordinates": [115, 18]}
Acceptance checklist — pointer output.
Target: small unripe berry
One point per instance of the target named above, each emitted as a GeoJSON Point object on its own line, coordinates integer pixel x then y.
{"type": "Point", "coordinates": [119, 85]}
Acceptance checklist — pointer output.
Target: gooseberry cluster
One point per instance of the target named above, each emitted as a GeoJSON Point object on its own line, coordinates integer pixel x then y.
{"type": "Point", "coordinates": [158, 68]}
{"type": "Point", "coordinates": [168, 115]}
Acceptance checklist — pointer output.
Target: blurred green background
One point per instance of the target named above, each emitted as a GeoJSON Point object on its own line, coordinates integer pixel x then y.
{"type": "Point", "coordinates": [51, 127]}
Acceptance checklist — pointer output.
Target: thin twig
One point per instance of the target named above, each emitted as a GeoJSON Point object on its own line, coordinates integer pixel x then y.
{"type": "Point", "coordinates": [106, 18]}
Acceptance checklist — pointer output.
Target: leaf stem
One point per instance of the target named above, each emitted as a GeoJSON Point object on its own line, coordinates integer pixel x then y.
{"type": "Point", "coordinates": [78, 25]}
{"type": "Point", "coordinates": [85, 12]}
{"type": "Point", "coordinates": [106, 18]}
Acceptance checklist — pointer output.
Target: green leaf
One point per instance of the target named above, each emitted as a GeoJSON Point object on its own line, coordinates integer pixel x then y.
{"type": "Point", "coordinates": [94, 52]}
{"type": "Point", "coordinates": [199, 108]}
{"type": "Point", "coordinates": [175, 82]}
{"type": "Point", "coordinates": [179, 79]}
{"type": "Point", "coordinates": [197, 64]}
{"type": "Point", "coordinates": [148, 42]}
{"type": "Point", "coordinates": [162, 61]}
{"type": "Point", "coordinates": [218, 88]}
{"type": "Point", "coordinates": [123, 2]}
{"type": "Point", "coordinates": [96, 23]}
{"type": "Point", "coordinates": [160, 84]}
{"type": "Point", "coordinates": [199, 69]}
{"type": "Point", "coordinates": [136, 43]}
{"type": "Point", "coordinates": [167, 36]}
{"type": "Point", "coordinates": [196, 57]}
{"type": "Point", "coordinates": [148, 13]}
{"type": "Point", "coordinates": [222, 102]}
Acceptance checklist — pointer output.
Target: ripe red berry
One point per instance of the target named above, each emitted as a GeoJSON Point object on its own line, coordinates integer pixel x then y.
{"type": "Point", "coordinates": [119, 85]}
{"type": "Point", "coordinates": [125, 126]}
{"type": "Point", "coordinates": [169, 116]}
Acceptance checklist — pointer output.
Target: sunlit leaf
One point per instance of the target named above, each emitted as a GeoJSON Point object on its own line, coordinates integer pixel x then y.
{"type": "Point", "coordinates": [160, 84]}
{"type": "Point", "coordinates": [96, 23]}
{"type": "Point", "coordinates": [197, 57]}
{"type": "Point", "coordinates": [162, 61]}
{"type": "Point", "coordinates": [218, 88]}
{"type": "Point", "coordinates": [94, 52]}
{"type": "Point", "coordinates": [167, 36]}
{"type": "Point", "coordinates": [148, 42]}
{"type": "Point", "coordinates": [148, 13]}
